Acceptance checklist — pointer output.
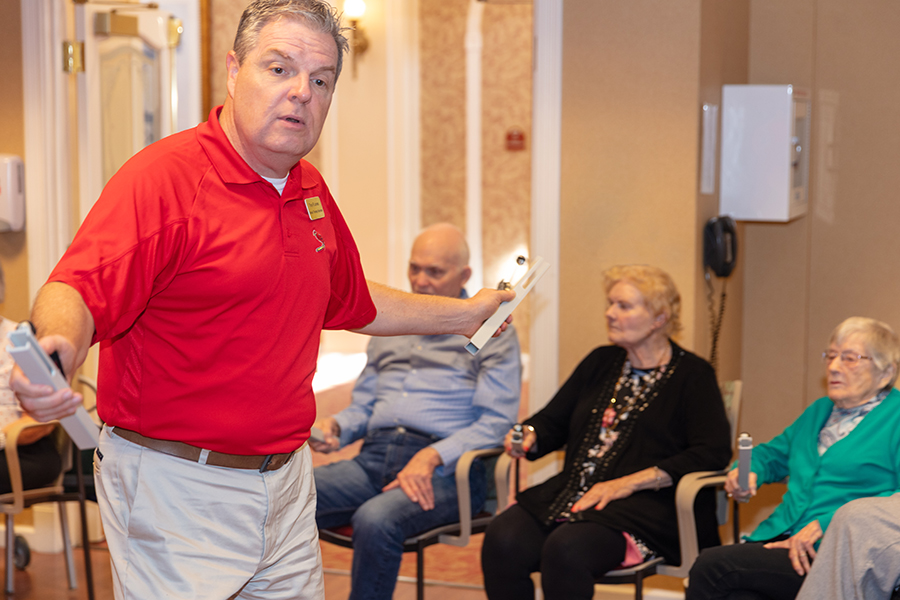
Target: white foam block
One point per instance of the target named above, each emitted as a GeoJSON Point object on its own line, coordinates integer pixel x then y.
{"type": "Point", "coordinates": [39, 368]}
{"type": "Point", "coordinates": [525, 285]}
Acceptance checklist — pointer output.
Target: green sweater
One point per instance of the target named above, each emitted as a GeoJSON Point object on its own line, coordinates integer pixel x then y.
{"type": "Point", "coordinates": [864, 463]}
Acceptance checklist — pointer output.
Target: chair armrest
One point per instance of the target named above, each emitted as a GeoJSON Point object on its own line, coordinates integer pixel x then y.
{"type": "Point", "coordinates": [501, 480]}
{"type": "Point", "coordinates": [12, 461]}
{"type": "Point", "coordinates": [685, 495]}
{"type": "Point", "coordinates": [464, 495]}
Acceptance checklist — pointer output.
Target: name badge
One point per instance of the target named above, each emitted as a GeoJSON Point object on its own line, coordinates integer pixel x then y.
{"type": "Point", "coordinates": [314, 208]}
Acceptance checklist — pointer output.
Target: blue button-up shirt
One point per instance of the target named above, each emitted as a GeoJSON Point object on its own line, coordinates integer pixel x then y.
{"type": "Point", "coordinates": [430, 383]}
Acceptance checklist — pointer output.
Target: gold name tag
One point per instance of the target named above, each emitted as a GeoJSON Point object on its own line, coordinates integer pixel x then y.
{"type": "Point", "coordinates": [314, 208]}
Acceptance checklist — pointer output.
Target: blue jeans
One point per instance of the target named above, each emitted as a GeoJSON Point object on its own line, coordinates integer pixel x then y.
{"type": "Point", "coordinates": [350, 492]}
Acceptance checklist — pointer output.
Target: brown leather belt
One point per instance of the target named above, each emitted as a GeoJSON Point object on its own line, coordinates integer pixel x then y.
{"type": "Point", "coordinates": [263, 463]}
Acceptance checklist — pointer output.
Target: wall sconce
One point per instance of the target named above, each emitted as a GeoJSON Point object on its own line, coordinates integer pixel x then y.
{"type": "Point", "coordinates": [359, 43]}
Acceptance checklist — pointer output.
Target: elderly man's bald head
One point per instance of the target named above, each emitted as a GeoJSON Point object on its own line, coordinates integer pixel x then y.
{"type": "Point", "coordinates": [439, 261]}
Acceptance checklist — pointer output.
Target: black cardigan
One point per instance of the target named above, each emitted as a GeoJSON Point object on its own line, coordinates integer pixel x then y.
{"type": "Point", "coordinates": [684, 429]}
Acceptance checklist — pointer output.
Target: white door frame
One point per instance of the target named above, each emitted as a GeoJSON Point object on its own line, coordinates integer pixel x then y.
{"type": "Point", "coordinates": [545, 207]}
{"type": "Point", "coordinates": [48, 182]}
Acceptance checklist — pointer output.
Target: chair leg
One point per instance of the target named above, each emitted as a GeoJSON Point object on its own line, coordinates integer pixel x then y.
{"type": "Point", "coordinates": [639, 586]}
{"type": "Point", "coordinates": [420, 572]}
{"type": "Point", "coordinates": [85, 542]}
{"type": "Point", "coordinates": [67, 545]}
{"type": "Point", "coordinates": [10, 548]}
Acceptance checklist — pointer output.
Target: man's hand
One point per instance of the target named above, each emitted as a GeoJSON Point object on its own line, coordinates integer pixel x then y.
{"type": "Point", "coordinates": [332, 432]}
{"type": "Point", "coordinates": [734, 490]}
{"type": "Point", "coordinates": [487, 302]}
{"type": "Point", "coordinates": [801, 547]}
{"type": "Point", "coordinates": [40, 401]}
{"type": "Point", "coordinates": [415, 478]}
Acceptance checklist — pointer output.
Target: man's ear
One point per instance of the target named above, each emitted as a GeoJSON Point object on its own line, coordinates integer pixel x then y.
{"type": "Point", "coordinates": [232, 66]}
{"type": "Point", "coordinates": [466, 273]}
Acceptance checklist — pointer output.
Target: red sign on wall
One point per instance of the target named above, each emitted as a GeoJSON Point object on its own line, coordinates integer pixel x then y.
{"type": "Point", "coordinates": [515, 139]}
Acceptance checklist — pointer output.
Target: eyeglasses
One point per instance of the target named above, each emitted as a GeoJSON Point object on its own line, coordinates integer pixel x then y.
{"type": "Point", "coordinates": [851, 359]}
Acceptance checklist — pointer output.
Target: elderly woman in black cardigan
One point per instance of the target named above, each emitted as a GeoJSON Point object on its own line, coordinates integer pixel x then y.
{"type": "Point", "coordinates": [634, 418]}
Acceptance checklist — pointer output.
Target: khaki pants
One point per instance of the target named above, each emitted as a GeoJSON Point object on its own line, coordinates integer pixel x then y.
{"type": "Point", "coordinates": [179, 529]}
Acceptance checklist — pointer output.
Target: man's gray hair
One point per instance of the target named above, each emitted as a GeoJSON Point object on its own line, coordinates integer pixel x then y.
{"type": "Point", "coordinates": [318, 15]}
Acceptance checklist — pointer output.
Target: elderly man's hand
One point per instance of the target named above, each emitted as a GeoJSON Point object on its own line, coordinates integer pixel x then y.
{"type": "Point", "coordinates": [40, 401]}
{"type": "Point", "coordinates": [415, 478]}
{"type": "Point", "coordinates": [329, 426]}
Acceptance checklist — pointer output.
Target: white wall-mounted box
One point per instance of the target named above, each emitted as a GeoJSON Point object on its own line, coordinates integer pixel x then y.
{"type": "Point", "coordinates": [12, 193]}
{"type": "Point", "coordinates": [764, 171]}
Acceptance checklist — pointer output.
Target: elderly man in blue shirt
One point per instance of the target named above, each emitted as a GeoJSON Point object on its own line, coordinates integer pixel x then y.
{"type": "Point", "coordinates": [420, 402]}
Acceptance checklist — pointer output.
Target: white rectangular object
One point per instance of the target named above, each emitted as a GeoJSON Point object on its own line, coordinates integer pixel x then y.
{"type": "Point", "coordinates": [525, 285]}
{"type": "Point", "coordinates": [39, 368]}
{"type": "Point", "coordinates": [764, 169]}
{"type": "Point", "coordinates": [12, 193]}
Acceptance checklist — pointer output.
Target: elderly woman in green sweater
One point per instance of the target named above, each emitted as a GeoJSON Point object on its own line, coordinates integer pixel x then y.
{"type": "Point", "coordinates": [844, 446]}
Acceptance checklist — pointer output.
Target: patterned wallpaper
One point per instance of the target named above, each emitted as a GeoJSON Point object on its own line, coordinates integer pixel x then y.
{"type": "Point", "coordinates": [506, 104]}
{"type": "Point", "coordinates": [443, 110]}
{"type": "Point", "coordinates": [224, 16]}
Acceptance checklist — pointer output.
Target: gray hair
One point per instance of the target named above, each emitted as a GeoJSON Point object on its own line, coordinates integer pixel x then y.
{"type": "Point", "coordinates": [881, 343]}
{"type": "Point", "coordinates": [318, 15]}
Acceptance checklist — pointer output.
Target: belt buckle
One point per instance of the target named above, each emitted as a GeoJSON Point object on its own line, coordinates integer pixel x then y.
{"type": "Point", "coordinates": [265, 463]}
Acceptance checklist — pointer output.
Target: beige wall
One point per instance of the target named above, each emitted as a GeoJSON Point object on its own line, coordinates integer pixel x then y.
{"type": "Point", "coordinates": [13, 254]}
{"type": "Point", "coordinates": [360, 109]}
{"type": "Point", "coordinates": [804, 277]}
{"type": "Point", "coordinates": [635, 77]}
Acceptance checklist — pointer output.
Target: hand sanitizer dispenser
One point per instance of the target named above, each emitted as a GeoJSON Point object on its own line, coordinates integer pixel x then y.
{"type": "Point", "coordinates": [765, 152]}
{"type": "Point", "coordinates": [12, 193]}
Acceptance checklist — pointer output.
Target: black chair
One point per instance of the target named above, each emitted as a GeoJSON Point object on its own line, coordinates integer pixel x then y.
{"type": "Point", "coordinates": [19, 499]}
{"type": "Point", "coordinates": [685, 495]}
{"type": "Point", "coordinates": [455, 534]}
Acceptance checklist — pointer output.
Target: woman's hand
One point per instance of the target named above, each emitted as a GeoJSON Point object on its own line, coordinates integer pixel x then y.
{"type": "Point", "coordinates": [603, 493]}
{"type": "Point", "coordinates": [801, 547]}
{"type": "Point", "coordinates": [735, 491]}
{"type": "Point", "coordinates": [528, 439]}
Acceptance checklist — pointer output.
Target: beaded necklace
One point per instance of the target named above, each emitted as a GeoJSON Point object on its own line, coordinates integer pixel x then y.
{"type": "Point", "coordinates": [606, 432]}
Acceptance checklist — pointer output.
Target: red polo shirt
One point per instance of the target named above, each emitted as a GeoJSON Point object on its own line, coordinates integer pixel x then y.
{"type": "Point", "coordinates": [209, 292]}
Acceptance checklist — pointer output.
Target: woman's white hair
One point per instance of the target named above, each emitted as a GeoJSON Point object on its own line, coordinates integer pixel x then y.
{"type": "Point", "coordinates": [881, 343]}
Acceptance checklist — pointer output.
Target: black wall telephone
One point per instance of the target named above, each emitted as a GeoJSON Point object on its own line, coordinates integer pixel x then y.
{"type": "Point", "coordinates": [720, 245]}
{"type": "Point", "coordinates": [719, 257]}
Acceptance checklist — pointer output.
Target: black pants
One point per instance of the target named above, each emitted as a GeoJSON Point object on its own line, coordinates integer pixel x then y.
{"type": "Point", "coordinates": [743, 572]}
{"type": "Point", "coordinates": [569, 557]}
{"type": "Point", "coordinates": [40, 464]}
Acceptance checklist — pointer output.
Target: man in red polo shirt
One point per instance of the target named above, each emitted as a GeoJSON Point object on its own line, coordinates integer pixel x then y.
{"type": "Point", "coordinates": [206, 271]}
